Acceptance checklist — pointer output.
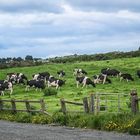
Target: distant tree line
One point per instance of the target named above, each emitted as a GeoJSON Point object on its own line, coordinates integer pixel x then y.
{"type": "Point", "coordinates": [19, 62]}
{"type": "Point", "coordinates": [30, 61]}
{"type": "Point", "coordinates": [95, 57]}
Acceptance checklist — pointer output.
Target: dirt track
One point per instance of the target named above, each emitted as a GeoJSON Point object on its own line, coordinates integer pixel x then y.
{"type": "Point", "coordinates": [18, 131]}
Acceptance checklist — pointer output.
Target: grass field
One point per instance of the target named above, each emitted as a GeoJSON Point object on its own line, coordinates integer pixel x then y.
{"type": "Point", "coordinates": [69, 91]}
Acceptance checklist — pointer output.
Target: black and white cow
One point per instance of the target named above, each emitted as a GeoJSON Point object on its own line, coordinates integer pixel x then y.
{"type": "Point", "coordinates": [126, 76]}
{"type": "Point", "coordinates": [84, 81]}
{"type": "Point", "coordinates": [41, 76]}
{"type": "Point", "coordinates": [61, 73]}
{"type": "Point", "coordinates": [18, 78]}
{"type": "Point", "coordinates": [37, 84]}
{"type": "Point", "coordinates": [110, 72]}
{"type": "Point", "coordinates": [102, 78]}
{"type": "Point", "coordinates": [138, 73]}
{"type": "Point", "coordinates": [79, 72]}
{"type": "Point", "coordinates": [54, 82]}
{"type": "Point", "coordinates": [6, 86]}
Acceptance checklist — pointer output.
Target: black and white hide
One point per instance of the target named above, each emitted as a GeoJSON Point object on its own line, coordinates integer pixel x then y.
{"type": "Point", "coordinates": [18, 78]}
{"type": "Point", "coordinates": [84, 81]}
{"type": "Point", "coordinates": [110, 72]}
{"type": "Point", "coordinates": [79, 72]}
{"type": "Point", "coordinates": [37, 84]}
{"type": "Point", "coordinates": [6, 86]}
{"type": "Point", "coordinates": [41, 76]}
{"type": "Point", "coordinates": [54, 82]}
{"type": "Point", "coordinates": [102, 78]}
{"type": "Point", "coordinates": [126, 76]}
{"type": "Point", "coordinates": [61, 73]}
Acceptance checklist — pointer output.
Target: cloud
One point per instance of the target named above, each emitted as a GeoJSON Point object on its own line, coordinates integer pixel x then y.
{"type": "Point", "coordinates": [30, 5]}
{"type": "Point", "coordinates": [45, 33]}
{"type": "Point", "coordinates": [105, 5]}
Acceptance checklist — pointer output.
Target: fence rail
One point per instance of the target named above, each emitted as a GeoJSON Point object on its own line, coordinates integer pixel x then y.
{"type": "Point", "coordinates": [101, 102]}
{"type": "Point", "coordinates": [27, 104]}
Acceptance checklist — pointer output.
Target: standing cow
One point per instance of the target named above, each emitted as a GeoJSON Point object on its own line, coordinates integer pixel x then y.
{"type": "Point", "coordinates": [79, 72]}
{"type": "Point", "coordinates": [84, 81]}
{"type": "Point", "coordinates": [6, 85]}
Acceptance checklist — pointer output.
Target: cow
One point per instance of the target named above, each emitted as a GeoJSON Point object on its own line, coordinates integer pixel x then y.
{"type": "Point", "coordinates": [61, 73]}
{"type": "Point", "coordinates": [41, 76]}
{"type": "Point", "coordinates": [84, 81]}
{"type": "Point", "coordinates": [16, 78]}
{"type": "Point", "coordinates": [102, 78]}
{"type": "Point", "coordinates": [37, 84]}
{"type": "Point", "coordinates": [6, 86]}
{"type": "Point", "coordinates": [126, 76]}
{"type": "Point", "coordinates": [79, 72]}
{"type": "Point", "coordinates": [54, 82]}
{"type": "Point", "coordinates": [110, 72]}
{"type": "Point", "coordinates": [138, 73]}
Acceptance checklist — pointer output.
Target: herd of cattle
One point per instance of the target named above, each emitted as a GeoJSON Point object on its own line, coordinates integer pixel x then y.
{"type": "Point", "coordinates": [40, 80]}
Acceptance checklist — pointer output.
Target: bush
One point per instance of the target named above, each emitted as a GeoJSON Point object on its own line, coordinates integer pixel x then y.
{"type": "Point", "coordinates": [50, 91]}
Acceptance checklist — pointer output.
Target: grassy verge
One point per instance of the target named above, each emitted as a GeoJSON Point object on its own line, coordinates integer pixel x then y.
{"type": "Point", "coordinates": [124, 122]}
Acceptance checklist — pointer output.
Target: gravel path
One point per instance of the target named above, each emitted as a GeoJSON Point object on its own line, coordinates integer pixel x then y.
{"type": "Point", "coordinates": [19, 131]}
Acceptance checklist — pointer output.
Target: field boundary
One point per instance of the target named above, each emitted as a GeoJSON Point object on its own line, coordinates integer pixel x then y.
{"type": "Point", "coordinates": [105, 102]}
{"type": "Point", "coordinates": [28, 107]}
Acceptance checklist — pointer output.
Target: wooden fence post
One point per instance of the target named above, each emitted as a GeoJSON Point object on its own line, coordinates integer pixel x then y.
{"type": "Point", "coordinates": [134, 102]}
{"type": "Point", "coordinates": [1, 104]}
{"type": "Point", "coordinates": [92, 97]}
{"type": "Point", "coordinates": [63, 106]}
{"type": "Point", "coordinates": [85, 103]}
{"type": "Point", "coordinates": [13, 106]}
{"type": "Point", "coordinates": [119, 106]}
{"type": "Point", "coordinates": [98, 104]}
{"type": "Point", "coordinates": [28, 107]}
{"type": "Point", "coordinates": [42, 103]}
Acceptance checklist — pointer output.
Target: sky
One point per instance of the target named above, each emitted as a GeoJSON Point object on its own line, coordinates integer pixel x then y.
{"type": "Point", "coordinates": [49, 28]}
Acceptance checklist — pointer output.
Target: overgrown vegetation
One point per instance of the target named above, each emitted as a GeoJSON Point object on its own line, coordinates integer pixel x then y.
{"type": "Point", "coordinates": [124, 122]}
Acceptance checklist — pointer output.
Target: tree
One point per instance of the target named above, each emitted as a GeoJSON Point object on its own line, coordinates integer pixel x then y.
{"type": "Point", "coordinates": [29, 58]}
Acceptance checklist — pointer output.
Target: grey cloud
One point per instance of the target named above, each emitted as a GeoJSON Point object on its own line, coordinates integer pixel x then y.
{"type": "Point", "coordinates": [31, 5]}
{"type": "Point", "coordinates": [105, 5]}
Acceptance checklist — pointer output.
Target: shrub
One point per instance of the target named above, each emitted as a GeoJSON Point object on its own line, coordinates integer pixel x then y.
{"type": "Point", "coordinates": [50, 91]}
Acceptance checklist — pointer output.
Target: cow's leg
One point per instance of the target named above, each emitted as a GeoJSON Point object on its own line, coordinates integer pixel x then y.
{"type": "Point", "coordinates": [77, 84]}
{"type": "Point", "coordinates": [57, 86]}
{"type": "Point", "coordinates": [84, 84]}
{"type": "Point", "coordinates": [2, 93]}
{"type": "Point", "coordinates": [121, 79]}
{"type": "Point", "coordinates": [11, 91]}
{"type": "Point", "coordinates": [104, 79]}
{"type": "Point", "coordinates": [27, 88]}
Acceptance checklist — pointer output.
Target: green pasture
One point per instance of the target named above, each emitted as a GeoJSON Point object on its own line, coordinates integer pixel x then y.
{"type": "Point", "coordinates": [69, 91]}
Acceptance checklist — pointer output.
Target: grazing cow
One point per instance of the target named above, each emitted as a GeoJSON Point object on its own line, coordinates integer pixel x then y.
{"type": "Point", "coordinates": [110, 72]}
{"type": "Point", "coordinates": [102, 78]}
{"type": "Point", "coordinates": [37, 84]}
{"type": "Point", "coordinates": [126, 76]}
{"type": "Point", "coordinates": [6, 86]}
{"type": "Point", "coordinates": [84, 81]}
{"type": "Point", "coordinates": [138, 73]}
{"type": "Point", "coordinates": [55, 82]}
{"type": "Point", "coordinates": [61, 73]}
{"type": "Point", "coordinates": [16, 78]}
{"type": "Point", "coordinates": [2, 81]}
{"type": "Point", "coordinates": [79, 72]}
{"type": "Point", "coordinates": [42, 75]}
